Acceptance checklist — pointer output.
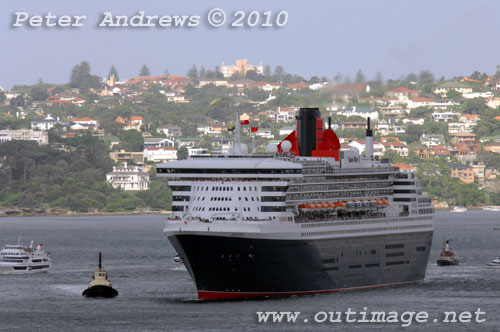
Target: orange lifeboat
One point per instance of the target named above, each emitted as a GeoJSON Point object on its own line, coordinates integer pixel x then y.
{"type": "Point", "coordinates": [330, 204]}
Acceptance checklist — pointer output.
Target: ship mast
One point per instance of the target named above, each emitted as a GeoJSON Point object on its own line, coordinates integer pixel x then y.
{"type": "Point", "coordinates": [237, 136]}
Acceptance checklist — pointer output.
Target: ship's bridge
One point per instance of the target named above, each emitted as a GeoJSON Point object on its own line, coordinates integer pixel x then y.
{"type": "Point", "coordinates": [229, 167]}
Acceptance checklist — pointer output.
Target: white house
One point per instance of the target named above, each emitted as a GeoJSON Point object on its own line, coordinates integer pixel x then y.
{"type": "Point", "coordinates": [363, 112]}
{"type": "Point", "coordinates": [46, 124]}
{"type": "Point", "coordinates": [84, 123]}
{"type": "Point", "coordinates": [443, 116]}
{"type": "Point", "coordinates": [128, 178]}
{"type": "Point", "coordinates": [317, 86]}
{"type": "Point", "coordinates": [265, 132]}
{"type": "Point", "coordinates": [432, 139]}
{"type": "Point", "coordinates": [414, 121]}
{"type": "Point", "coordinates": [154, 142]}
{"type": "Point", "coordinates": [39, 136]}
{"type": "Point", "coordinates": [160, 154]}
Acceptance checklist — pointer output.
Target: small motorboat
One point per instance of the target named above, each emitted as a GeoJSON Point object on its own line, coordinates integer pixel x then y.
{"type": "Point", "coordinates": [459, 209]}
{"type": "Point", "coordinates": [492, 208]}
{"type": "Point", "coordinates": [494, 263]}
{"type": "Point", "coordinates": [179, 263]}
{"type": "Point", "coordinates": [447, 256]}
{"type": "Point", "coordinates": [100, 286]}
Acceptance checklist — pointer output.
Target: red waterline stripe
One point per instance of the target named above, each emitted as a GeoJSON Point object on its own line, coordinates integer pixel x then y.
{"type": "Point", "coordinates": [214, 295]}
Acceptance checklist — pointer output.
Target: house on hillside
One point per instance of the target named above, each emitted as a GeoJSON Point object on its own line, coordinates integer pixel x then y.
{"type": "Point", "coordinates": [128, 178]}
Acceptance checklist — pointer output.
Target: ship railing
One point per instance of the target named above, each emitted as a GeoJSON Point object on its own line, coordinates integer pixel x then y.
{"type": "Point", "coordinates": [303, 219]}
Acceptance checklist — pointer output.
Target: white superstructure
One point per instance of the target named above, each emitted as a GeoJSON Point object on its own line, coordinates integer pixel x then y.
{"type": "Point", "coordinates": [19, 259]}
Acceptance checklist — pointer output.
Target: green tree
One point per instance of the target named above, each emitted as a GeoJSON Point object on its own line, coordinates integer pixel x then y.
{"type": "Point", "coordinates": [144, 71]}
{"type": "Point", "coordinates": [82, 79]}
{"type": "Point", "coordinates": [3, 97]}
{"type": "Point", "coordinates": [267, 71]}
{"type": "Point", "coordinates": [182, 153]}
{"type": "Point", "coordinates": [360, 77]}
{"type": "Point", "coordinates": [193, 72]}
{"type": "Point", "coordinates": [38, 94]}
{"type": "Point", "coordinates": [203, 72]}
{"type": "Point", "coordinates": [426, 77]}
{"type": "Point", "coordinates": [166, 72]}
{"type": "Point", "coordinates": [279, 73]}
{"type": "Point", "coordinates": [113, 71]}
{"type": "Point", "coordinates": [132, 140]}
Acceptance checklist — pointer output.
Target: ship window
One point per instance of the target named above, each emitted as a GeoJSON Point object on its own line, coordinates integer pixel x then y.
{"type": "Point", "coordinates": [238, 188]}
{"type": "Point", "coordinates": [372, 265]}
{"type": "Point", "coordinates": [394, 246]}
{"type": "Point", "coordinates": [250, 188]}
{"type": "Point", "coordinates": [394, 263]}
{"type": "Point", "coordinates": [246, 199]}
{"type": "Point", "coordinates": [177, 208]}
{"type": "Point", "coordinates": [244, 188]}
{"type": "Point", "coordinates": [373, 251]}
{"type": "Point", "coordinates": [252, 199]}
{"type": "Point", "coordinates": [395, 254]}
{"type": "Point", "coordinates": [273, 209]}
{"type": "Point", "coordinates": [420, 248]}
{"type": "Point", "coordinates": [239, 198]}
{"type": "Point", "coordinates": [255, 188]}
{"type": "Point", "coordinates": [357, 266]}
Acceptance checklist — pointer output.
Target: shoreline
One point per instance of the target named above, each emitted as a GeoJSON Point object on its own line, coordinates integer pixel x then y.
{"type": "Point", "coordinates": [64, 213]}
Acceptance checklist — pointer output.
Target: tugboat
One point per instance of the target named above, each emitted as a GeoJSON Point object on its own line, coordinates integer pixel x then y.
{"type": "Point", "coordinates": [447, 256]}
{"type": "Point", "coordinates": [100, 286]}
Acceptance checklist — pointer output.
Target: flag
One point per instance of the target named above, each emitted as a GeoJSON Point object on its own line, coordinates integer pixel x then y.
{"type": "Point", "coordinates": [230, 128]}
{"type": "Point", "coordinates": [245, 122]}
{"type": "Point", "coordinates": [254, 129]}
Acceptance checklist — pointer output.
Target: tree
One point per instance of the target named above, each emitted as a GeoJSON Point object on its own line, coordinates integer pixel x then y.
{"type": "Point", "coordinates": [17, 102]}
{"type": "Point", "coordinates": [411, 77]}
{"type": "Point", "coordinates": [454, 95]}
{"type": "Point", "coordinates": [3, 97]}
{"type": "Point", "coordinates": [267, 71]}
{"type": "Point", "coordinates": [82, 79]}
{"type": "Point", "coordinates": [38, 94]}
{"type": "Point", "coordinates": [144, 71]}
{"type": "Point", "coordinates": [114, 72]}
{"type": "Point", "coordinates": [378, 78]}
{"type": "Point", "coordinates": [132, 140]}
{"type": "Point", "coordinates": [166, 72]}
{"type": "Point", "coordinates": [279, 72]}
{"type": "Point", "coordinates": [193, 72]}
{"type": "Point", "coordinates": [182, 153]}
{"type": "Point", "coordinates": [203, 72]}
{"type": "Point", "coordinates": [426, 77]}
{"type": "Point", "coordinates": [337, 78]}
{"type": "Point", "coordinates": [360, 77]}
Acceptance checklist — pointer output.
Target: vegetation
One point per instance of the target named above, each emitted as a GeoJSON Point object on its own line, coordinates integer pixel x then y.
{"type": "Point", "coordinates": [72, 178]}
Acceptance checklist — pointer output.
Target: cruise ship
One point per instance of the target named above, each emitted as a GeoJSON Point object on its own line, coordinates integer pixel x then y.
{"type": "Point", "coordinates": [305, 217]}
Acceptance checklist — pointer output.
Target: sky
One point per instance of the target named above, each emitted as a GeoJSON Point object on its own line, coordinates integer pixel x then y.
{"type": "Point", "coordinates": [321, 38]}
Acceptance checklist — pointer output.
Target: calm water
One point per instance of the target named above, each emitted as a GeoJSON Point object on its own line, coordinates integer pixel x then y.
{"type": "Point", "coordinates": [156, 297]}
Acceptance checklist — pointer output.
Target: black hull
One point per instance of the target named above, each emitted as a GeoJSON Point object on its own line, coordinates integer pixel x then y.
{"type": "Point", "coordinates": [100, 291]}
{"type": "Point", "coordinates": [446, 263]}
{"type": "Point", "coordinates": [227, 267]}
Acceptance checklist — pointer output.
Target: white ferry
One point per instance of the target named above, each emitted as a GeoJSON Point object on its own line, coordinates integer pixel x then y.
{"type": "Point", "coordinates": [19, 259]}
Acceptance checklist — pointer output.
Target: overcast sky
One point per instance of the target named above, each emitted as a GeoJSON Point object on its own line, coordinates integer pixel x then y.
{"type": "Point", "coordinates": [321, 38]}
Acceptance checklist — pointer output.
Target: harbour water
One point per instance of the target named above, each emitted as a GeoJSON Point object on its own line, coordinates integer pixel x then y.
{"type": "Point", "coordinates": [154, 296]}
